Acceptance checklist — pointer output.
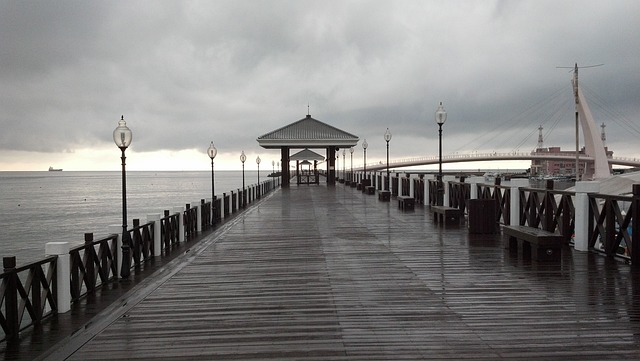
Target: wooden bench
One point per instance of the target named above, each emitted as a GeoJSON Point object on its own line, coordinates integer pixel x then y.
{"type": "Point", "coordinates": [384, 196]}
{"type": "Point", "coordinates": [370, 190]}
{"type": "Point", "coordinates": [535, 243]}
{"type": "Point", "coordinates": [406, 203]}
{"type": "Point", "coordinates": [443, 214]}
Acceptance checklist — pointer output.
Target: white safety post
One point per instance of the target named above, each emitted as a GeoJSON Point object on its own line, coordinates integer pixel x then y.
{"type": "Point", "coordinates": [426, 191]}
{"type": "Point", "coordinates": [63, 273]}
{"type": "Point", "coordinates": [474, 181]}
{"type": "Point", "coordinates": [157, 233]}
{"type": "Point", "coordinates": [581, 203]}
{"type": "Point", "coordinates": [411, 188]}
{"type": "Point", "coordinates": [199, 215]}
{"type": "Point", "coordinates": [116, 229]}
{"type": "Point", "coordinates": [180, 211]}
{"type": "Point", "coordinates": [514, 215]}
{"type": "Point", "coordinates": [445, 183]}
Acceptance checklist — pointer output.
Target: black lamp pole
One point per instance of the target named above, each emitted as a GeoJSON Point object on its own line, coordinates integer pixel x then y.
{"type": "Point", "coordinates": [212, 152]}
{"type": "Point", "coordinates": [122, 136]}
{"type": "Point", "coordinates": [351, 175]}
{"type": "Point", "coordinates": [387, 138]}
{"type": "Point", "coordinates": [364, 147]}
{"type": "Point", "coordinates": [441, 117]}
{"type": "Point", "coordinates": [243, 158]}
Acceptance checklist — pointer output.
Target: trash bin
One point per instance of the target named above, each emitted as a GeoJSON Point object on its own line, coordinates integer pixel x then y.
{"type": "Point", "coordinates": [482, 216]}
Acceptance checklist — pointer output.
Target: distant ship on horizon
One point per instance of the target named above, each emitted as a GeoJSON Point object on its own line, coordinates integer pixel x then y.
{"type": "Point", "coordinates": [51, 169]}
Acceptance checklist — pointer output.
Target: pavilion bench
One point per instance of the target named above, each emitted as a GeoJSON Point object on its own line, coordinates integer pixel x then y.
{"type": "Point", "coordinates": [535, 243]}
{"type": "Point", "coordinates": [370, 190]}
{"type": "Point", "coordinates": [406, 203]}
{"type": "Point", "coordinates": [444, 214]}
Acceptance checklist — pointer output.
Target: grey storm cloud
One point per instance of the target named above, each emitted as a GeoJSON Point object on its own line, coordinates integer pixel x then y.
{"type": "Point", "coordinates": [185, 72]}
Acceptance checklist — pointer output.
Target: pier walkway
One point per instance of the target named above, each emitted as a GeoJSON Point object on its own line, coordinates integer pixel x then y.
{"type": "Point", "coordinates": [317, 273]}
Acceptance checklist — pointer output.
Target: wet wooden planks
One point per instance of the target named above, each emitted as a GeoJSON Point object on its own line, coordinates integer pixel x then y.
{"type": "Point", "coordinates": [316, 273]}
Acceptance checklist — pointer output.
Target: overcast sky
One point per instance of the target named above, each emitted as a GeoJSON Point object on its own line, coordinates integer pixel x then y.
{"type": "Point", "coordinates": [184, 73]}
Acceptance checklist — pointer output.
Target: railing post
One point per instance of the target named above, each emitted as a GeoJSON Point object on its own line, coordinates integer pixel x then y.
{"type": "Point", "coordinates": [157, 233]}
{"type": "Point", "coordinates": [116, 229]}
{"type": "Point", "coordinates": [180, 211]}
{"type": "Point", "coordinates": [514, 214]}
{"type": "Point", "coordinates": [11, 298]}
{"type": "Point", "coordinates": [581, 238]}
{"type": "Point", "coordinates": [90, 270]}
{"type": "Point", "coordinates": [635, 228]}
{"type": "Point", "coordinates": [63, 273]}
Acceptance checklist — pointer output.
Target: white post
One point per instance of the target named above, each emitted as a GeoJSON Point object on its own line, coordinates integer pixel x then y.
{"type": "Point", "coordinates": [157, 233]}
{"type": "Point", "coordinates": [180, 211]}
{"type": "Point", "coordinates": [411, 188]}
{"type": "Point", "coordinates": [581, 240]}
{"type": "Point", "coordinates": [515, 200]}
{"type": "Point", "coordinates": [400, 176]}
{"type": "Point", "coordinates": [63, 273]}
{"type": "Point", "coordinates": [117, 230]}
{"type": "Point", "coordinates": [199, 213]}
{"type": "Point", "coordinates": [474, 186]}
{"type": "Point", "coordinates": [426, 191]}
{"type": "Point", "coordinates": [445, 183]}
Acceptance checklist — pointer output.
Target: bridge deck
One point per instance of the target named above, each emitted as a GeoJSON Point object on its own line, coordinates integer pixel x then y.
{"type": "Point", "coordinates": [319, 273]}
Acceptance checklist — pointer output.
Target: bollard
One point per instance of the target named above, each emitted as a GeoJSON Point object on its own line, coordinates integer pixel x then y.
{"type": "Point", "coordinates": [11, 298]}
{"type": "Point", "coordinates": [63, 273]}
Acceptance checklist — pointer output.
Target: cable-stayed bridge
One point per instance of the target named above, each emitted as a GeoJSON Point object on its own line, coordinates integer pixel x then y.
{"type": "Point", "coordinates": [493, 156]}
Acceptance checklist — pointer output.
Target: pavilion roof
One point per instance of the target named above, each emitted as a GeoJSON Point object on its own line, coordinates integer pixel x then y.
{"type": "Point", "coordinates": [308, 133]}
{"type": "Point", "coordinates": [306, 154]}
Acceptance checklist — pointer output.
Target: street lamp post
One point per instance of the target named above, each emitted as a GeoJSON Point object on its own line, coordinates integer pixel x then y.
{"type": "Point", "coordinates": [243, 158]}
{"type": "Point", "coordinates": [364, 147]}
{"type": "Point", "coordinates": [212, 152]}
{"type": "Point", "coordinates": [351, 175]}
{"type": "Point", "coordinates": [258, 160]}
{"type": "Point", "coordinates": [122, 136]}
{"type": "Point", "coordinates": [387, 138]}
{"type": "Point", "coordinates": [441, 117]}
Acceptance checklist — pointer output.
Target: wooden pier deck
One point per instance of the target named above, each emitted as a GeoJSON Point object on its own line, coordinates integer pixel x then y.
{"type": "Point", "coordinates": [317, 273]}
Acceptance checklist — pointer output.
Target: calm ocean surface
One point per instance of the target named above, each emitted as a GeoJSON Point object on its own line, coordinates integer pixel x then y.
{"type": "Point", "coordinates": [41, 207]}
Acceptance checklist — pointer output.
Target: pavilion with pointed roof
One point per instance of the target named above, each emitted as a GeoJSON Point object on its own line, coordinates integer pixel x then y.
{"type": "Point", "coordinates": [308, 133]}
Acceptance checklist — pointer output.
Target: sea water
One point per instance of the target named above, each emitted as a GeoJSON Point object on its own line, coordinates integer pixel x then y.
{"type": "Point", "coordinates": [41, 207]}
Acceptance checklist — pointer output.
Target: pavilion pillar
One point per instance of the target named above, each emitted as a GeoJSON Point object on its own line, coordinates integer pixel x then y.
{"type": "Point", "coordinates": [331, 166]}
{"type": "Point", "coordinates": [284, 161]}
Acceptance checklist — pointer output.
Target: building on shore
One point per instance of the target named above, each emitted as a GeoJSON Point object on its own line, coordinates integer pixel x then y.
{"type": "Point", "coordinates": [561, 167]}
